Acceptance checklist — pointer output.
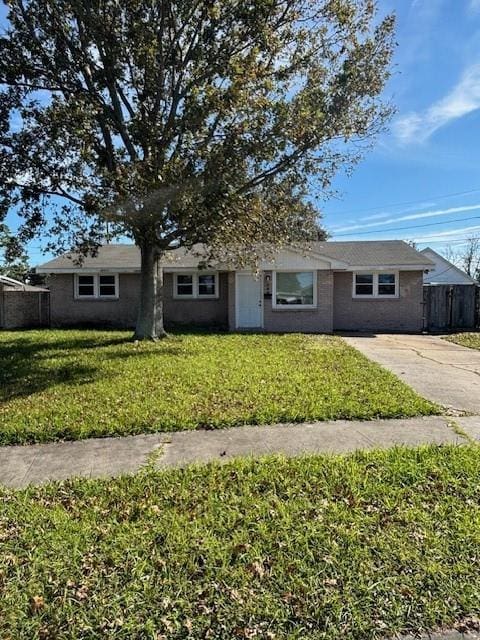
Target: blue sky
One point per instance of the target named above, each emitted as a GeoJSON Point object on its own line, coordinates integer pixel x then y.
{"type": "Point", "coordinates": [426, 169]}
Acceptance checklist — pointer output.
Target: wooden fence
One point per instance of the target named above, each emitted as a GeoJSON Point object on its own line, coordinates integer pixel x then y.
{"type": "Point", "coordinates": [448, 307]}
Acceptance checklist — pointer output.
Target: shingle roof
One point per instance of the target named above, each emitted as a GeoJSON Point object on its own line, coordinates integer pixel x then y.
{"type": "Point", "coordinates": [109, 256]}
{"type": "Point", "coordinates": [381, 253]}
{"type": "Point", "coordinates": [371, 253]}
{"type": "Point", "coordinates": [115, 256]}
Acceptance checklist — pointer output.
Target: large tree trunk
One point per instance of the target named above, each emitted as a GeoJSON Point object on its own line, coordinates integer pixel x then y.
{"type": "Point", "coordinates": [150, 311]}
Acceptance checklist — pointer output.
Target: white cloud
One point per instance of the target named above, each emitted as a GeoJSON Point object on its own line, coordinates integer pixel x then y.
{"type": "Point", "coordinates": [379, 216]}
{"type": "Point", "coordinates": [474, 5]}
{"type": "Point", "coordinates": [462, 99]}
{"type": "Point", "coordinates": [415, 216]}
{"type": "Point", "coordinates": [463, 231]}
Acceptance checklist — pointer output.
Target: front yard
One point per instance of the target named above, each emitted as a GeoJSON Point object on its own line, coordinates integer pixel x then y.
{"type": "Point", "coordinates": [78, 384]}
{"type": "Point", "coordinates": [354, 547]}
{"type": "Point", "coordinates": [470, 339]}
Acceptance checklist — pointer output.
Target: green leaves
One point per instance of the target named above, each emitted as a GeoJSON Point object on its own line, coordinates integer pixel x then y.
{"type": "Point", "coordinates": [120, 100]}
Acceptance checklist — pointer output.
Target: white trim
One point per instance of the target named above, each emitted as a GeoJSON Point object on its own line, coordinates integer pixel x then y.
{"type": "Point", "coordinates": [12, 281]}
{"type": "Point", "coordinates": [388, 268]}
{"type": "Point", "coordinates": [287, 307]}
{"type": "Point", "coordinates": [88, 271]}
{"type": "Point", "coordinates": [243, 272]}
{"type": "Point", "coordinates": [375, 295]}
{"type": "Point", "coordinates": [195, 295]}
{"type": "Point", "coordinates": [96, 286]}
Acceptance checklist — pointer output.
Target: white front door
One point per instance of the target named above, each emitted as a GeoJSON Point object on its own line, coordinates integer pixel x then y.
{"type": "Point", "coordinates": [249, 307]}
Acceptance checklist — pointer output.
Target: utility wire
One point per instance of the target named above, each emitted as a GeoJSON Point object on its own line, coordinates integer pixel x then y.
{"type": "Point", "coordinates": [413, 226]}
{"type": "Point", "coordinates": [402, 204]}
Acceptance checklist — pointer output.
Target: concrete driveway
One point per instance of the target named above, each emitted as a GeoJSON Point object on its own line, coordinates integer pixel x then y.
{"type": "Point", "coordinates": [438, 370]}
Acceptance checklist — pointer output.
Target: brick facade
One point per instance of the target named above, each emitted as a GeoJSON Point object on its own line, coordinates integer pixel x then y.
{"type": "Point", "coordinates": [336, 309]}
{"type": "Point", "coordinates": [122, 313]}
{"type": "Point", "coordinates": [319, 320]}
{"type": "Point", "coordinates": [404, 313]}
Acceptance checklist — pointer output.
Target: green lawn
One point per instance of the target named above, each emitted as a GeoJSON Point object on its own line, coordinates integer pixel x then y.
{"type": "Point", "coordinates": [357, 547]}
{"type": "Point", "coordinates": [76, 384]}
{"type": "Point", "coordinates": [469, 339]}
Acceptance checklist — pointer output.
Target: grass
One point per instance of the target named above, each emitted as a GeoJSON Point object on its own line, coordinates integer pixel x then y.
{"type": "Point", "coordinates": [470, 339]}
{"type": "Point", "coordinates": [356, 547]}
{"type": "Point", "coordinates": [76, 384]}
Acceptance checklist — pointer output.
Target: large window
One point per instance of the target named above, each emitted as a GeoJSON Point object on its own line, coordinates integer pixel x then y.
{"type": "Point", "coordinates": [195, 285]}
{"type": "Point", "coordinates": [96, 286]}
{"type": "Point", "coordinates": [375, 285]}
{"type": "Point", "coordinates": [294, 289]}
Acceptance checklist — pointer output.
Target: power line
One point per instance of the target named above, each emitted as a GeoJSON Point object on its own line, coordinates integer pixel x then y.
{"type": "Point", "coordinates": [415, 226]}
{"type": "Point", "coordinates": [402, 204]}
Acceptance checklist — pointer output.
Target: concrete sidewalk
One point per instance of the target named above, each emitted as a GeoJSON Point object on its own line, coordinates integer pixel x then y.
{"type": "Point", "coordinates": [441, 371]}
{"type": "Point", "coordinates": [106, 457]}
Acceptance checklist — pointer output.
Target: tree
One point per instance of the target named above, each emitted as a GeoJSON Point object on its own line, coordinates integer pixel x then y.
{"type": "Point", "coordinates": [184, 121]}
{"type": "Point", "coordinates": [13, 261]}
{"type": "Point", "coordinates": [467, 257]}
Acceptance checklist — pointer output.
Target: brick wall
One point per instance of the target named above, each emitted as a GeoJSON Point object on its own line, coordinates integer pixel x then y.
{"type": "Point", "coordinates": [404, 313]}
{"type": "Point", "coordinates": [65, 310]}
{"type": "Point", "coordinates": [122, 313]}
{"type": "Point", "coordinates": [319, 320]}
{"type": "Point", "coordinates": [200, 312]}
{"type": "Point", "coordinates": [19, 309]}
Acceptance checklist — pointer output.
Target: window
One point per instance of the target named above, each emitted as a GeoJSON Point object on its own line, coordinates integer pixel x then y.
{"type": "Point", "coordinates": [195, 285]}
{"type": "Point", "coordinates": [375, 285]}
{"type": "Point", "coordinates": [184, 285]}
{"type": "Point", "coordinates": [294, 289]}
{"type": "Point", "coordinates": [86, 286]}
{"type": "Point", "coordinates": [364, 284]}
{"type": "Point", "coordinates": [107, 286]}
{"type": "Point", "coordinates": [206, 285]}
{"type": "Point", "coordinates": [386, 284]}
{"type": "Point", "coordinates": [96, 286]}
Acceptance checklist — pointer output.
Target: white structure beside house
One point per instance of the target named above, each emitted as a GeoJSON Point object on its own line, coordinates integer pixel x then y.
{"type": "Point", "coordinates": [444, 271]}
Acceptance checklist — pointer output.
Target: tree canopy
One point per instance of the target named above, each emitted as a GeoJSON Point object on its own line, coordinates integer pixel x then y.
{"type": "Point", "coordinates": [180, 122]}
{"type": "Point", "coordinates": [13, 261]}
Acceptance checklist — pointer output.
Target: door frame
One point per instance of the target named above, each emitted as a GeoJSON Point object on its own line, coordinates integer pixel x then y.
{"type": "Point", "coordinates": [237, 305]}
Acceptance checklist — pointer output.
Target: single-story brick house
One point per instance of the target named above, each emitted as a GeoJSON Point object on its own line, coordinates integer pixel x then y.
{"type": "Point", "coordinates": [349, 286]}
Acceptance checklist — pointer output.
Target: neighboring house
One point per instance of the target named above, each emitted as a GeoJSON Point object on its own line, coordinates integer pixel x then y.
{"type": "Point", "coordinates": [443, 271]}
{"type": "Point", "coordinates": [350, 286]}
{"type": "Point", "coordinates": [22, 305]}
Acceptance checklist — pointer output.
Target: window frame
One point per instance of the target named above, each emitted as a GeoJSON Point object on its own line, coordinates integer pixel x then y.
{"type": "Point", "coordinates": [196, 295]}
{"type": "Point", "coordinates": [96, 287]}
{"type": "Point", "coordinates": [175, 286]}
{"type": "Point", "coordinates": [293, 307]}
{"type": "Point", "coordinates": [375, 295]}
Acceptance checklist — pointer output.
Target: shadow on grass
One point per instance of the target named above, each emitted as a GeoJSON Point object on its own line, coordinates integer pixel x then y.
{"type": "Point", "coordinates": [31, 363]}
{"type": "Point", "coordinates": [27, 366]}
